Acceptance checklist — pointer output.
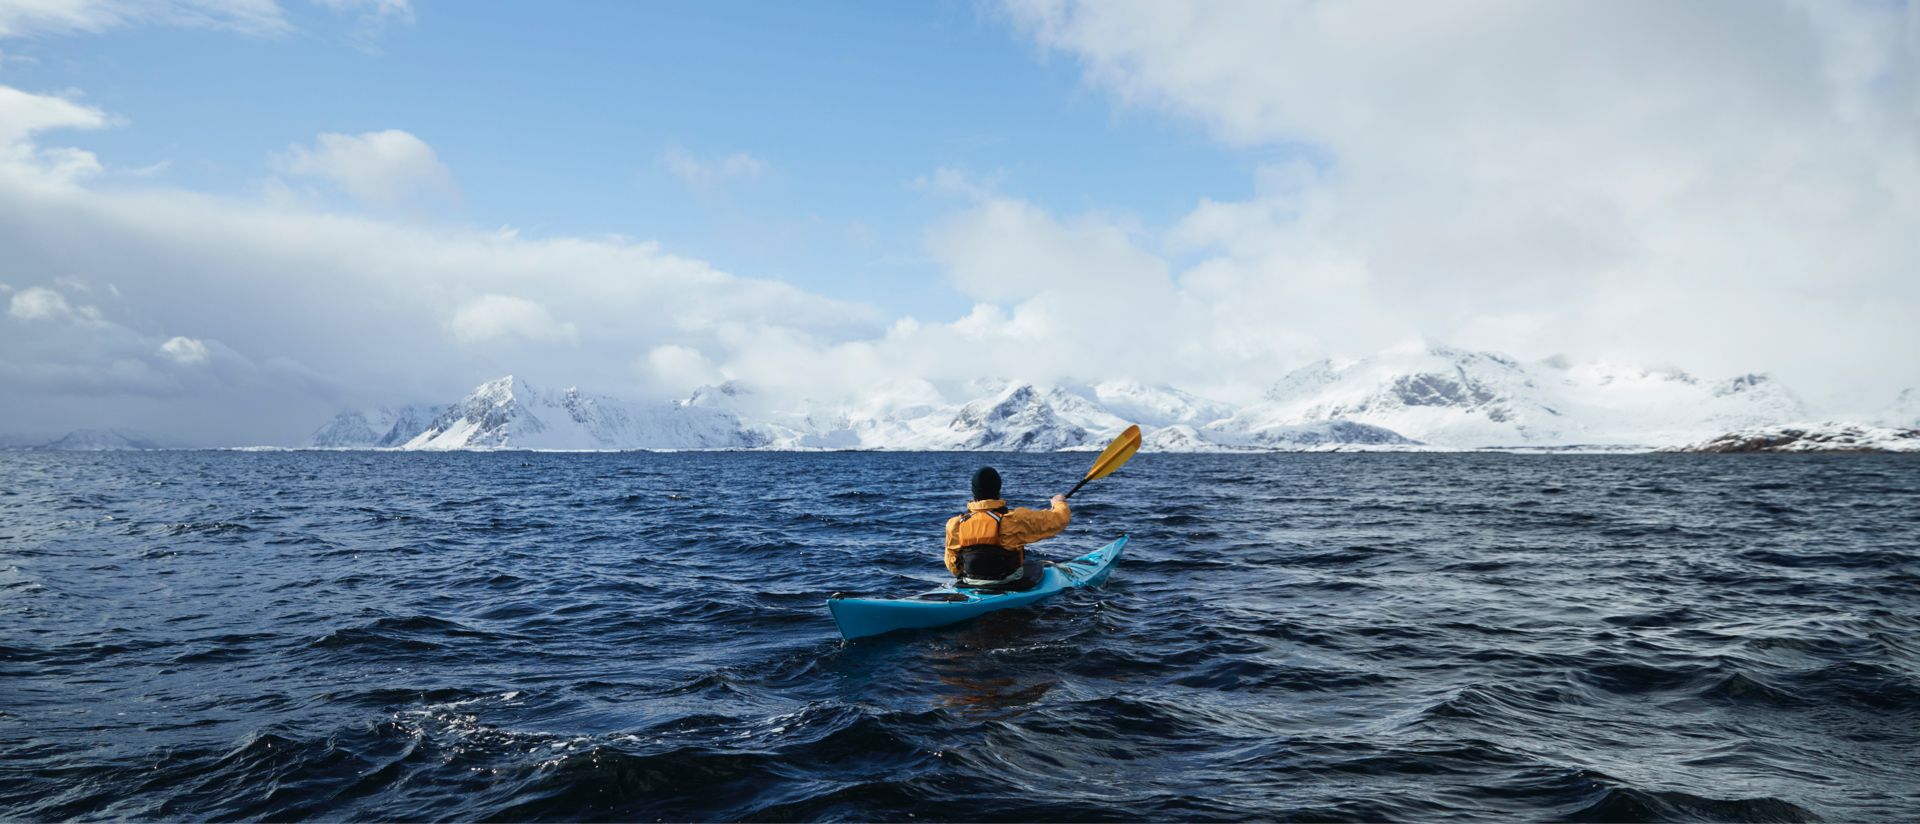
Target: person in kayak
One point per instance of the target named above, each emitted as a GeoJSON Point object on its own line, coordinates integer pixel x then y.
{"type": "Point", "coordinates": [987, 545]}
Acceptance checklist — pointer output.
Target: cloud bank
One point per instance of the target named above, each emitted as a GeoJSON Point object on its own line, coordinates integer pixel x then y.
{"type": "Point", "coordinates": [1730, 185]}
{"type": "Point", "coordinates": [234, 317]}
{"type": "Point", "coordinates": [1725, 187]}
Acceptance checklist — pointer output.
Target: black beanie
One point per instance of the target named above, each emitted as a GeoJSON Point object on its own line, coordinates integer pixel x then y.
{"type": "Point", "coordinates": [986, 484]}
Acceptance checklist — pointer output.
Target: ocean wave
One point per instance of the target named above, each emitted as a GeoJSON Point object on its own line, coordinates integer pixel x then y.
{"type": "Point", "coordinates": [1400, 637]}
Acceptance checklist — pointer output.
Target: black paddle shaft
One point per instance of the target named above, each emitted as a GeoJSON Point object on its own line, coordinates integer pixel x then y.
{"type": "Point", "coordinates": [1076, 487]}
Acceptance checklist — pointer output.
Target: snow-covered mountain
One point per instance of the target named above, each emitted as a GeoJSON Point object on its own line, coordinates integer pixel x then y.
{"type": "Point", "coordinates": [101, 440]}
{"type": "Point", "coordinates": [382, 426]}
{"type": "Point", "coordinates": [1457, 398]}
{"type": "Point", "coordinates": [510, 413]}
{"type": "Point", "coordinates": [1320, 435]}
{"type": "Point", "coordinates": [988, 415]}
{"type": "Point", "coordinates": [1811, 437]}
{"type": "Point", "coordinates": [1023, 418]}
{"type": "Point", "coordinates": [1434, 397]}
{"type": "Point", "coordinates": [1026, 417]}
{"type": "Point", "coordinates": [1905, 411]}
{"type": "Point", "coordinates": [806, 424]}
{"type": "Point", "coordinates": [1438, 394]}
{"type": "Point", "coordinates": [1157, 406]}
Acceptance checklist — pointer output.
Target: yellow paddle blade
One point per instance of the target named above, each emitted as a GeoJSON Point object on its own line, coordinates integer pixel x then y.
{"type": "Point", "coordinates": [1116, 454]}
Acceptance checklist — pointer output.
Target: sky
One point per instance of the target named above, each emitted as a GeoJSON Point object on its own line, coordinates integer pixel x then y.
{"type": "Point", "coordinates": [223, 220]}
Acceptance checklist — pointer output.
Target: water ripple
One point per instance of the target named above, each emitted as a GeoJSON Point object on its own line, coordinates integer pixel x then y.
{"type": "Point", "coordinates": [209, 635]}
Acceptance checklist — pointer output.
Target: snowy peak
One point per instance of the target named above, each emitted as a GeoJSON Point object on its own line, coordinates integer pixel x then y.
{"type": "Point", "coordinates": [509, 412]}
{"type": "Point", "coordinates": [1905, 411]}
{"type": "Point", "coordinates": [1439, 376]}
{"type": "Point", "coordinates": [1021, 418]}
{"type": "Point", "coordinates": [1437, 397]}
{"type": "Point", "coordinates": [1437, 393]}
{"type": "Point", "coordinates": [1751, 382]}
{"type": "Point", "coordinates": [1027, 417]}
{"type": "Point", "coordinates": [1762, 394]}
{"type": "Point", "coordinates": [102, 440]}
{"type": "Point", "coordinates": [1815, 437]}
{"type": "Point", "coordinates": [1451, 397]}
{"type": "Point", "coordinates": [724, 396]}
{"type": "Point", "coordinates": [1756, 399]}
{"type": "Point", "coordinates": [489, 416]}
{"type": "Point", "coordinates": [350, 428]}
{"type": "Point", "coordinates": [379, 427]}
{"type": "Point", "coordinates": [1157, 406]}
{"type": "Point", "coordinates": [503, 391]}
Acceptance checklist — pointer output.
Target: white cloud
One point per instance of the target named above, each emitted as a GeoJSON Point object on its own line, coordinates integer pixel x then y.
{"type": "Point", "coordinates": [1728, 185]}
{"type": "Point", "coordinates": [703, 173]}
{"type": "Point", "coordinates": [1004, 249]}
{"type": "Point", "coordinates": [255, 18]}
{"type": "Point", "coordinates": [1730, 189]}
{"type": "Point", "coordinates": [28, 18]}
{"type": "Point", "coordinates": [371, 18]}
{"type": "Point", "coordinates": [947, 180]}
{"type": "Point", "coordinates": [398, 11]}
{"type": "Point", "coordinates": [38, 303]}
{"type": "Point", "coordinates": [303, 311]}
{"type": "Point", "coordinates": [500, 317]}
{"type": "Point", "coordinates": [184, 350]}
{"type": "Point", "coordinates": [389, 169]}
{"type": "Point", "coordinates": [681, 368]}
{"type": "Point", "coordinates": [24, 114]}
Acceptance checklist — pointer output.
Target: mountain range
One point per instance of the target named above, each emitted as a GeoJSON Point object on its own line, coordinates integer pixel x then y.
{"type": "Point", "coordinates": [86, 440]}
{"type": "Point", "coordinates": [1823, 437]}
{"type": "Point", "coordinates": [1434, 397]}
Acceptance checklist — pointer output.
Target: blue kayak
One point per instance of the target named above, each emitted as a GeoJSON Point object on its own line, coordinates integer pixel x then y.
{"type": "Point", "coordinates": [861, 617]}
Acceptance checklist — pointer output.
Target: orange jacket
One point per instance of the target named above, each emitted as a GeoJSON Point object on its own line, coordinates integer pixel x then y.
{"type": "Point", "coordinates": [1017, 528]}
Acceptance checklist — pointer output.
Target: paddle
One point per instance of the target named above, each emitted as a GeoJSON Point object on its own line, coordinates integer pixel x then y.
{"type": "Point", "coordinates": [1115, 455]}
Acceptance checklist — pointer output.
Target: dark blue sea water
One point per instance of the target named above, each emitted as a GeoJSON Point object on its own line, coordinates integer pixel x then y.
{"type": "Point", "coordinates": [221, 635]}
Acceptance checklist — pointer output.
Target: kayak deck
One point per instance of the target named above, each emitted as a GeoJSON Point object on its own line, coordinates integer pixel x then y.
{"type": "Point", "coordinates": [862, 617]}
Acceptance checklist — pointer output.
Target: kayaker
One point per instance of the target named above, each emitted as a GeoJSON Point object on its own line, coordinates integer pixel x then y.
{"type": "Point", "coordinates": [987, 545]}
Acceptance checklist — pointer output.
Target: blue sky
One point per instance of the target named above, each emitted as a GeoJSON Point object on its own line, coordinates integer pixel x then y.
{"type": "Point", "coordinates": [556, 119]}
{"type": "Point", "coordinates": [231, 218]}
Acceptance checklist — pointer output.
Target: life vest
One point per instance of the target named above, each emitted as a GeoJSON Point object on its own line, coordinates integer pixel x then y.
{"type": "Point", "coordinates": [974, 532]}
{"type": "Point", "coordinates": [982, 556]}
